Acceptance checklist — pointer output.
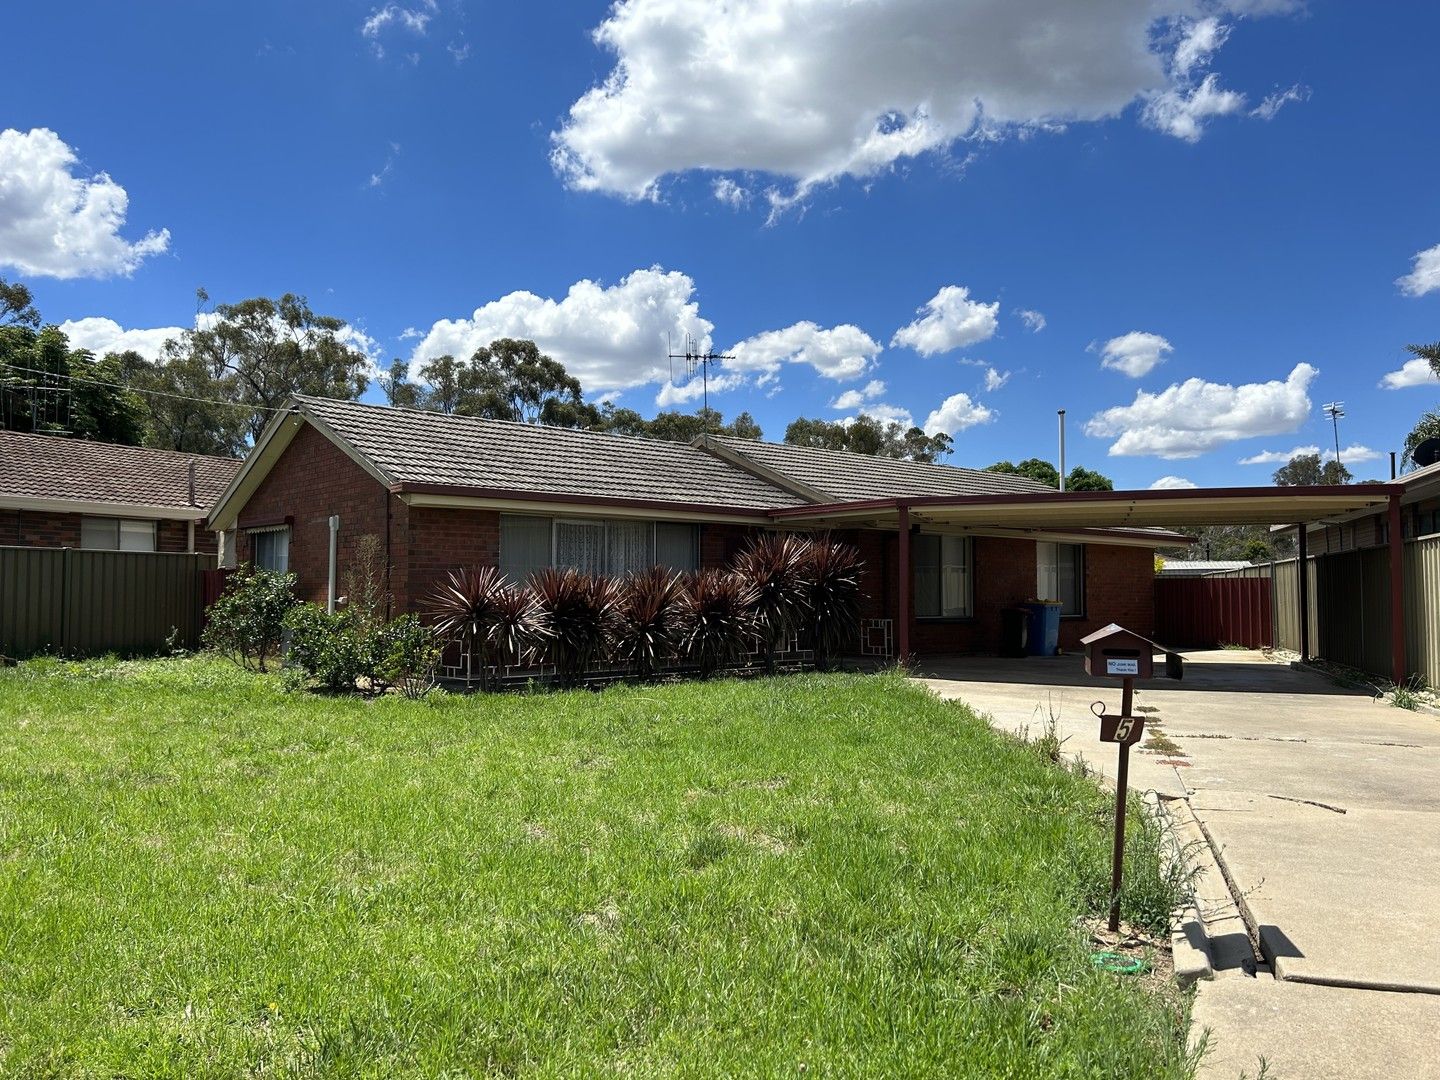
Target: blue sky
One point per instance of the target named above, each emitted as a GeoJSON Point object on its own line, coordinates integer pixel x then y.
{"type": "Point", "coordinates": [1238, 197]}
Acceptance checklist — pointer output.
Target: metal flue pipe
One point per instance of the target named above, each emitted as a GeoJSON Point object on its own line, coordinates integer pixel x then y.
{"type": "Point", "coordinates": [1062, 448]}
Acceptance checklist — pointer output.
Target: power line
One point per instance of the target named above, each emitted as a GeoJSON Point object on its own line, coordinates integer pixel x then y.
{"type": "Point", "coordinates": [139, 390]}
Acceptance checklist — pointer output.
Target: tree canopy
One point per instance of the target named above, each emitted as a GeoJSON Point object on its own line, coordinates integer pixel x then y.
{"type": "Point", "coordinates": [867, 435]}
{"type": "Point", "coordinates": [1306, 470]}
{"type": "Point", "coordinates": [1077, 479]}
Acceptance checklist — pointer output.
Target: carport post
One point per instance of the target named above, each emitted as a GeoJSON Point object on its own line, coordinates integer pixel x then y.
{"type": "Point", "coordinates": [1397, 592]}
{"type": "Point", "coordinates": [1301, 572]}
{"type": "Point", "coordinates": [902, 632]}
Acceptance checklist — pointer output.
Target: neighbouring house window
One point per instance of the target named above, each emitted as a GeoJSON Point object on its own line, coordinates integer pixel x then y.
{"type": "Point", "coordinates": [611, 547]}
{"type": "Point", "coordinates": [270, 549]}
{"type": "Point", "coordinates": [943, 576]}
{"type": "Point", "coordinates": [116, 534]}
{"type": "Point", "coordinates": [1060, 575]}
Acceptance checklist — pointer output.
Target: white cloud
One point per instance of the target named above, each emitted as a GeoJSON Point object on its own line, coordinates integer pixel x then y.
{"type": "Point", "coordinates": [692, 390]}
{"type": "Point", "coordinates": [101, 336]}
{"type": "Point", "coordinates": [1182, 112]}
{"type": "Point", "coordinates": [949, 320]}
{"type": "Point", "coordinates": [994, 380]}
{"type": "Point", "coordinates": [1279, 457]}
{"type": "Point", "coordinates": [841, 352]}
{"type": "Point", "coordinates": [1424, 275]}
{"type": "Point", "coordinates": [1033, 320]}
{"type": "Point", "coordinates": [1273, 103]}
{"type": "Point", "coordinates": [1173, 483]}
{"type": "Point", "coordinates": [886, 414]}
{"type": "Point", "coordinates": [955, 414]}
{"type": "Point", "coordinates": [54, 223]}
{"type": "Point", "coordinates": [1415, 372]}
{"type": "Point", "coordinates": [409, 334]}
{"type": "Point", "coordinates": [730, 193]}
{"type": "Point", "coordinates": [814, 90]}
{"type": "Point", "coordinates": [414, 19]}
{"type": "Point", "coordinates": [851, 399]}
{"type": "Point", "coordinates": [609, 337]}
{"type": "Point", "coordinates": [1136, 353]}
{"type": "Point", "coordinates": [1189, 418]}
{"type": "Point", "coordinates": [377, 179]}
{"type": "Point", "coordinates": [1350, 455]}
{"type": "Point", "coordinates": [1199, 40]}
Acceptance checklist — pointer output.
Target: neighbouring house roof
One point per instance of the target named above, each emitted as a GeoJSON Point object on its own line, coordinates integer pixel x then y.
{"type": "Point", "coordinates": [842, 476]}
{"type": "Point", "coordinates": [1199, 567]}
{"type": "Point", "coordinates": [434, 450]}
{"type": "Point", "coordinates": [52, 472]}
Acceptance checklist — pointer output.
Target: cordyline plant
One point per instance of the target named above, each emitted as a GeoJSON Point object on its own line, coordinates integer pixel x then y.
{"type": "Point", "coordinates": [479, 608]}
{"type": "Point", "coordinates": [718, 630]}
{"type": "Point", "coordinates": [831, 571]}
{"type": "Point", "coordinates": [651, 619]}
{"type": "Point", "coordinates": [581, 615]}
{"type": "Point", "coordinates": [776, 597]}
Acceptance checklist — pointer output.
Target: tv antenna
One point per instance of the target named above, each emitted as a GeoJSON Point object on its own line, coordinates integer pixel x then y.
{"type": "Point", "coordinates": [1335, 410]}
{"type": "Point", "coordinates": [694, 359]}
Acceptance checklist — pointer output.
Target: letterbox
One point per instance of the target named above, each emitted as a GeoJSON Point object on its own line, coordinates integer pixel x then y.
{"type": "Point", "coordinates": [1116, 653]}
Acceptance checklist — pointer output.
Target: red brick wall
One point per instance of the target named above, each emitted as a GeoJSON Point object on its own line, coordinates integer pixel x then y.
{"type": "Point", "coordinates": [39, 528]}
{"type": "Point", "coordinates": [313, 479]}
{"type": "Point", "coordinates": [1119, 588]}
{"type": "Point", "coordinates": [438, 540]}
{"type": "Point", "coordinates": [720, 543]}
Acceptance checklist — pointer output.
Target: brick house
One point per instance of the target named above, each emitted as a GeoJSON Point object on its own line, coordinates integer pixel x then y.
{"type": "Point", "coordinates": [435, 492]}
{"type": "Point", "coordinates": [60, 492]}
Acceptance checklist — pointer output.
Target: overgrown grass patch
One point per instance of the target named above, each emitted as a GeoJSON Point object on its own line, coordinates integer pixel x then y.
{"type": "Point", "coordinates": [206, 876]}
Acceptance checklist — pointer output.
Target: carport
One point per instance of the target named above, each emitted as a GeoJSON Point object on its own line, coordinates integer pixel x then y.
{"type": "Point", "coordinates": [1082, 513]}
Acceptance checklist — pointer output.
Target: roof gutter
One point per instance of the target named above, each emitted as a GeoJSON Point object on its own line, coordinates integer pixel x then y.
{"type": "Point", "coordinates": [411, 487]}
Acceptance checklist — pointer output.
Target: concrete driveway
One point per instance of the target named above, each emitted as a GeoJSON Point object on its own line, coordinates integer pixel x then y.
{"type": "Point", "coordinates": [1323, 808]}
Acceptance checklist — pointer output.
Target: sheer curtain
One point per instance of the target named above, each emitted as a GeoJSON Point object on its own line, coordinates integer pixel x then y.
{"type": "Point", "coordinates": [581, 544]}
{"type": "Point", "coordinates": [632, 546]}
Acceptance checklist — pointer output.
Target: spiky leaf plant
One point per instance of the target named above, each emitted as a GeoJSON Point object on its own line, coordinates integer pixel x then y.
{"type": "Point", "coordinates": [652, 617]}
{"type": "Point", "coordinates": [580, 613]}
{"type": "Point", "coordinates": [467, 607]}
{"type": "Point", "coordinates": [719, 629]}
{"type": "Point", "coordinates": [771, 569]}
{"type": "Point", "coordinates": [831, 572]}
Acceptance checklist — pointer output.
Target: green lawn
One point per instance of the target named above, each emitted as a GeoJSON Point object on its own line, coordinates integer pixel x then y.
{"type": "Point", "coordinates": [829, 875]}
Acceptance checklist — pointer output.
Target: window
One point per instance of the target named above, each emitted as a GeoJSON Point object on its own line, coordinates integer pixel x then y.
{"type": "Point", "coordinates": [525, 545]}
{"type": "Point", "coordinates": [943, 588]}
{"type": "Point", "coordinates": [594, 545]}
{"type": "Point", "coordinates": [270, 550]}
{"type": "Point", "coordinates": [117, 534]}
{"type": "Point", "coordinates": [1060, 575]}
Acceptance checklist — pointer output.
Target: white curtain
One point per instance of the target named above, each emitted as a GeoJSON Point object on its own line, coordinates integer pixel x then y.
{"type": "Point", "coordinates": [632, 546]}
{"type": "Point", "coordinates": [581, 544]}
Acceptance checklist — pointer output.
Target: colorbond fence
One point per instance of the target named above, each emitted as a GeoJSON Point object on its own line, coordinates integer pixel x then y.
{"type": "Point", "coordinates": [82, 603]}
{"type": "Point", "coordinates": [1206, 612]}
{"type": "Point", "coordinates": [1350, 607]}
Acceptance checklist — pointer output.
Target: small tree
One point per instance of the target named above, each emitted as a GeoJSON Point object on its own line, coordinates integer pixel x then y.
{"type": "Point", "coordinates": [248, 621]}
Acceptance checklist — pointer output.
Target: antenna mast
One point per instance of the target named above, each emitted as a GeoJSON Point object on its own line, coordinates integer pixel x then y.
{"type": "Point", "coordinates": [1335, 410]}
{"type": "Point", "coordinates": [694, 358]}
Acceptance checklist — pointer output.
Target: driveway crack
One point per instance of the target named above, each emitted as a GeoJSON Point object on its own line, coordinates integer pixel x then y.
{"type": "Point", "coordinates": [1310, 802]}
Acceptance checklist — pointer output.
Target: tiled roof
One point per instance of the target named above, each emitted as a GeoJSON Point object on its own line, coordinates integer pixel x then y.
{"type": "Point", "coordinates": [79, 470]}
{"type": "Point", "coordinates": [843, 476]}
{"type": "Point", "coordinates": [413, 446]}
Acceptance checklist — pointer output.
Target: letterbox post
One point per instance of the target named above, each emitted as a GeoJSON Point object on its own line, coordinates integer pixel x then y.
{"type": "Point", "coordinates": [1122, 781]}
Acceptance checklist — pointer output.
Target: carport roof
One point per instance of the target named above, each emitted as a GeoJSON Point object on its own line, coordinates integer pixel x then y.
{"type": "Point", "coordinates": [1136, 510]}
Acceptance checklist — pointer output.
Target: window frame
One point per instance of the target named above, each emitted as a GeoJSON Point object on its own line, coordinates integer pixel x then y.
{"type": "Point", "coordinates": [255, 534]}
{"type": "Point", "coordinates": [1082, 561]}
{"type": "Point", "coordinates": [119, 524]}
{"type": "Point", "coordinates": [968, 545]}
{"type": "Point", "coordinates": [603, 524]}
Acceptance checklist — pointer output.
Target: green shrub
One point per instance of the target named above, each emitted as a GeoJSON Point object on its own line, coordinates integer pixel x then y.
{"type": "Point", "coordinates": [407, 653]}
{"type": "Point", "coordinates": [247, 622]}
{"type": "Point", "coordinates": [329, 650]}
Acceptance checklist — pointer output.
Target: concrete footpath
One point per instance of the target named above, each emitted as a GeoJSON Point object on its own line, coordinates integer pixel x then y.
{"type": "Point", "coordinates": [1318, 811]}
